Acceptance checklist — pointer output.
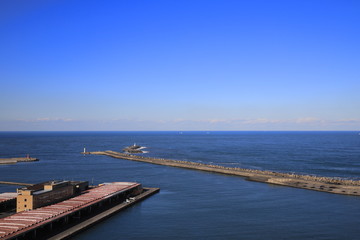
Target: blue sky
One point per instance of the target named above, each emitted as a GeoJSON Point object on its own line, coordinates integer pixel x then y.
{"type": "Point", "coordinates": [179, 65]}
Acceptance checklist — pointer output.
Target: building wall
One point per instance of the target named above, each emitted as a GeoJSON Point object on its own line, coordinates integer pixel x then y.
{"type": "Point", "coordinates": [28, 200]}
{"type": "Point", "coordinates": [53, 196]}
{"type": "Point", "coordinates": [24, 203]}
{"type": "Point", "coordinates": [137, 190]}
{"type": "Point", "coordinates": [80, 186]}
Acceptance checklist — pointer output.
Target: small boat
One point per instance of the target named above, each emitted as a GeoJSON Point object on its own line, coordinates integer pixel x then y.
{"type": "Point", "coordinates": [134, 149]}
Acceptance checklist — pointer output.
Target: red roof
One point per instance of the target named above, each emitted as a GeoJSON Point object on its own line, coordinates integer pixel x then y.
{"type": "Point", "coordinates": [27, 220]}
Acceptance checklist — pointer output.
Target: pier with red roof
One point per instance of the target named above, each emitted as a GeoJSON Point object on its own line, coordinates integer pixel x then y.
{"type": "Point", "coordinates": [67, 217]}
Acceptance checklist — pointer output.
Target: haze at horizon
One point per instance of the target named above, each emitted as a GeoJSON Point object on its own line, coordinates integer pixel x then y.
{"type": "Point", "coordinates": [180, 65]}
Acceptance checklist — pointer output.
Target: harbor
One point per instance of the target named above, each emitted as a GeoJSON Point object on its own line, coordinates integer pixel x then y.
{"type": "Point", "coordinates": [195, 204]}
{"type": "Point", "coordinates": [309, 182]}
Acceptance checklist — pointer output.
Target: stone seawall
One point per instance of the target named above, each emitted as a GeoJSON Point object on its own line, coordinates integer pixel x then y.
{"type": "Point", "coordinates": [316, 183]}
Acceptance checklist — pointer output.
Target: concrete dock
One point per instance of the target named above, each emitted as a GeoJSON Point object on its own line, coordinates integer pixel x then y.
{"type": "Point", "coordinates": [316, 183]}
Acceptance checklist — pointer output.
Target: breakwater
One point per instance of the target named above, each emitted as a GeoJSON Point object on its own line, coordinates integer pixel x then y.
{"type": "Point", "coordinates": [309, 182]}
{"type": "Point", "coordinates": [16, 183]}
{"type": "Point", "coordinates": [16, 160]}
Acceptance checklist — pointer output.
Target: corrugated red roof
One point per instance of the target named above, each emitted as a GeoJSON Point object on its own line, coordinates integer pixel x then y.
{"type": "Point", "coordinates": [27, 220]}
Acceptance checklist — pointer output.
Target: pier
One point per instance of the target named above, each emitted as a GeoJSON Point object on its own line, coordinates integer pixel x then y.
{"type": "Point", "coordinates": [68, 217]}
{"type": "Point", "coordinates": [104, 215]}
{"type": "Point", "coordinates": [315, 183]}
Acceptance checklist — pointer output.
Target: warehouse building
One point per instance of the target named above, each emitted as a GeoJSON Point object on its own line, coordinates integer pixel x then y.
{"type": "Point", "coordinates": [47, 193]}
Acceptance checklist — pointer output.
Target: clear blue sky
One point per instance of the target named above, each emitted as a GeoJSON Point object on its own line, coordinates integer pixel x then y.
{"type": "Point", "coordinates": [179, 65]}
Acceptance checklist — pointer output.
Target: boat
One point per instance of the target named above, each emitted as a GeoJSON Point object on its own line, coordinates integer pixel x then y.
{"type": "Point", "coordinates": [134, 149]}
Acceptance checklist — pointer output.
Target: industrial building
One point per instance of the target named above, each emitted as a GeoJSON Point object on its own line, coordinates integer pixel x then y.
{"type": "Point", "coordinates": [47, 193]}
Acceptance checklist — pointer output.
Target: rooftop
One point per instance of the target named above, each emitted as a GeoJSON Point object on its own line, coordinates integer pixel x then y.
{"type": "Point", "coordinates": [27, 220]}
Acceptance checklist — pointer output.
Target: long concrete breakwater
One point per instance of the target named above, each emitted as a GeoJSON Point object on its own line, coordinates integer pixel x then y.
{"type": "Point", "coordinates": [16, 183]}
{"type": "Point", "coordinates": [16, 160]}
{"type": "Point", "coordinates": [316, 183]}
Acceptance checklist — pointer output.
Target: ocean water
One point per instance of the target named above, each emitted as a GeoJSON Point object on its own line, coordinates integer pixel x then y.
{"type": "Point", "coordinates": [200, 205]}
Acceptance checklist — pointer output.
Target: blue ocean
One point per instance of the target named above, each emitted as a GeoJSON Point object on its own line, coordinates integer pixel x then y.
{"type": "Point", "coordinates": [201, 205]}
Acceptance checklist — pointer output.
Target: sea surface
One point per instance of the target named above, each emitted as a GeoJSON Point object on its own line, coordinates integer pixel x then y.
{"type": "Point", "coordinates": [201, 205]}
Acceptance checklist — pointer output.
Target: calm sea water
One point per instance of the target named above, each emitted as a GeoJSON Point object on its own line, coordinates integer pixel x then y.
{"type": "Point", "coordinates": [201, 205]}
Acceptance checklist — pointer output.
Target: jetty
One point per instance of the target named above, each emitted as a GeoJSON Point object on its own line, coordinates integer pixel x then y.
{"type": "Point", "coordinates": [309, 182]}
{"type": "Point", "coordinates": [16, 183]}
{"type": "Point", "coordinates": [16, 160]}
